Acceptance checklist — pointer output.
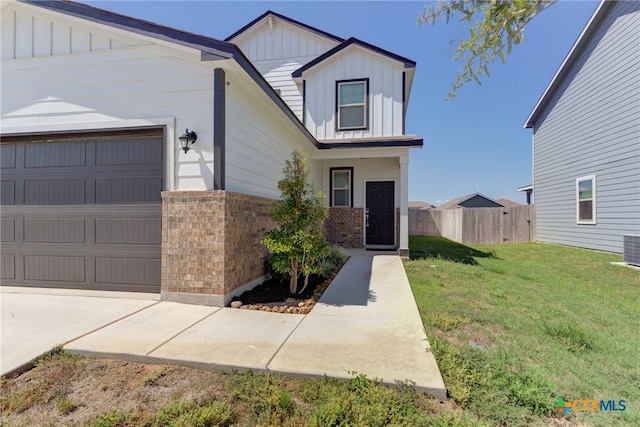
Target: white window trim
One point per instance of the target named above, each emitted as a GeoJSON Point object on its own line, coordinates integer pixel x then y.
{"type": "Point", "coordinates": [363, 104]}
{"type": "Point", "coordinates": [333, 188]}
{"type": "Point", "coordinates": [591, 178]}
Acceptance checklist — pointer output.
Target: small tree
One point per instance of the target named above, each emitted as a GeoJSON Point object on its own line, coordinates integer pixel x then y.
{"type": "Point", "coordinates": [297, 244]}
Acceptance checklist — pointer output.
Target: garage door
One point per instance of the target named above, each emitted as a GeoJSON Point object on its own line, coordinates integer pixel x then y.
{"type": "Point", "coordinates": [82, 211]}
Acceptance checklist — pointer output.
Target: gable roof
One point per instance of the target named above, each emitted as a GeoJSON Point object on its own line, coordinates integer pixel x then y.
{"type": "Point", "coordinates": [408, 63]}
{"type": "Point", "coordinates": [455, 203]}
{"type": "Point", "coordinates": [286, 19]}
{"type": "Point", "coordinates": [576, 50]}
{"type": "Point", "coordinates": [211, 49]}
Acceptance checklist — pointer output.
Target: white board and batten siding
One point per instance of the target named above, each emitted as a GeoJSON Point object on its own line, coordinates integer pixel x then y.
{"type": "Point", "coordinates": [592, 127]}
{"type": "Point", "coordinates": [106, 80]}
{"type": "Point", "coordinates": [259, 139]}
{"type": "Point", "coordinates": [385, 105]}
{"type": "Point", "coordinates": [278, 50]}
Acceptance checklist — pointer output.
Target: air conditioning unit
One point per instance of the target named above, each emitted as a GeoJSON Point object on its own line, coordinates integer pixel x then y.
{"type": "Point", "coordinates": [631, 250]}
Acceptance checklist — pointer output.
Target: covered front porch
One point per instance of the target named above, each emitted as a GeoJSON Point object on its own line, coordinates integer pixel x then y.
{"type": "Point", "coordinates": [367, 194]}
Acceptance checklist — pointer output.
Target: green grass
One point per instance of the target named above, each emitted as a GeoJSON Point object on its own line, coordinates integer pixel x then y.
{"type": "Point", "coordinates": [515, 327]}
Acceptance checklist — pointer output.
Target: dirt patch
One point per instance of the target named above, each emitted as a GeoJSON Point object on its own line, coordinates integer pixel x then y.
{"type": "Point", "coordinates": [274, 296]}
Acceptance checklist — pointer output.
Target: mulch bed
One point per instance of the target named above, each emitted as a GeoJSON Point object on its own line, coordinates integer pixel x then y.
{"type": "Point", "coordinates": [274, 296]}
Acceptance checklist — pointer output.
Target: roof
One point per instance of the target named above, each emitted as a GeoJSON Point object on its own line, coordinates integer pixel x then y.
{"type": "Point", "coordinates": [286, 19]}
{"type": "Point", "coordinates": [578, 47]}
{"type": "Point", "coordinates": [455, 203]}
{"type": "Point", "coordinates": [408, 63]}
{"type": "Point", "coordinates": [382, 141]}
{"type": "Point", "coordinates": [211, 49]}
{"type": "Point", "coordinates": [508, 203]}
{"type": "Point", "coordinates": [528, 187]}
{"type": "Point", "coordinates": [421, 205]}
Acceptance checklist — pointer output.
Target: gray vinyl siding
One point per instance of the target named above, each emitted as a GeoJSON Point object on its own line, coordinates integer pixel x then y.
{"type": "Point", "coordinates": [592, 127]}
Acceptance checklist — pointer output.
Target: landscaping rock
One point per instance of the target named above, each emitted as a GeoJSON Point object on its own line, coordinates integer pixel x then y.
{"type": "Point", "coordinates": [236, 304]}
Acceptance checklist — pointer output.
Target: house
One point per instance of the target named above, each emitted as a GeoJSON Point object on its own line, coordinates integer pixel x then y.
{"type": "Point", "coordinates": [98, 191]}
{"type": "Point", "coordinates": [476, 200]}
{"type": "Point", "coordinates": [586, 136]}
{"type": "Point", "coordinates": [507, 203]}
{"type": "Point", "coordinates": [421, 205]}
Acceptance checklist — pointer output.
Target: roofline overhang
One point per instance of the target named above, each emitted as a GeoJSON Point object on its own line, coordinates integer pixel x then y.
{"type": "Point", "coordinates": [579, 45]}
{"type": "Point", "coordinates": [408, 63]}
{"type": "Point", "coordinates": [211, 49]}
{"type": "Point", "coordinates": [288, 20]}
{"type": "Point", "coordinates": [403, 141]}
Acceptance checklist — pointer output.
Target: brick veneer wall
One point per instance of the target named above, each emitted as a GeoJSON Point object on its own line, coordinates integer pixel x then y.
{"type": "Point", "coordinates": [211, 244]}
{"type": "Point", "coordinates": [344, 227]}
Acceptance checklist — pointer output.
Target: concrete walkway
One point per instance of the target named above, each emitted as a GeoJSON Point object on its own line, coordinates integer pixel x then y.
{"type": "Point", "coordinates": [366, 322]}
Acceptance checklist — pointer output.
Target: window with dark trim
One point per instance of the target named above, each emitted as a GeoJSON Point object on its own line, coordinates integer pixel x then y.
{"type": "Point", "coordinates": [352, 104]}
{"type": "Point", "coordinates": [341, 187]}
{"type": "Point", "coordinates": [586, 200]}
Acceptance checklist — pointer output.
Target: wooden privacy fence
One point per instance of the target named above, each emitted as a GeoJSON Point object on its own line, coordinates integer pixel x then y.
{"type": "Point", "coordinates": [476, 225]}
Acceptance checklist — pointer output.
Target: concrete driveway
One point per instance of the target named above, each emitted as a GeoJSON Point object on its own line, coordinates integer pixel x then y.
{"type": "Point", "coordinates": [34, 320]}
{"type": "Point", "coordinates": [367, 322]}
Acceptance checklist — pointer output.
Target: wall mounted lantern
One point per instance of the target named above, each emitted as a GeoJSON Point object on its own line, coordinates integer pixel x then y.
{"type": "Point", "coordinates": [187, 140]}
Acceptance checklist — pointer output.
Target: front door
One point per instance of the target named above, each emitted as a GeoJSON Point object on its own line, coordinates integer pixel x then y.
{"type": "Point", "coordinates": [380, 213]}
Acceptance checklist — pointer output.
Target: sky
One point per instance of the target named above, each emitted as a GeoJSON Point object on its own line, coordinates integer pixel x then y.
{"type": "Point", "coordinates": [474, 143]}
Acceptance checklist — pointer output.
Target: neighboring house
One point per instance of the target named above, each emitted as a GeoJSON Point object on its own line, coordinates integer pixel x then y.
{"type": "Point", "coordinates": [586, 136]}
{"type": "Point", "coordinates": [528, 190]}
{"type": "Point", "coordinates": [421, 205]}
{"type": "Point", "coordinates": [476, 200]}
{"type": "Point", "coordinates": [508, 203]}
{"type": "Point", "coordinates": [97, 192]}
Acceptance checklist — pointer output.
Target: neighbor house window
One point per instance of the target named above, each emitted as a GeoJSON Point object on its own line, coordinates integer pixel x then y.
{"type": "Point", "coordinates": [341, 187]}
{"type": "Point", "coordinates": [586, 200]}
{"type": "Point", "coordinates": [351, 106]}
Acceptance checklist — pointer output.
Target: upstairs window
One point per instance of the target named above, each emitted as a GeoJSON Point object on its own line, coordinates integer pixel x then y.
{"type": "Point", "coordinates": [341, 187]}
{"type": "Point", "coordinates": [586, 200]}
{"type": "Point", "coordinates": [352, 104]}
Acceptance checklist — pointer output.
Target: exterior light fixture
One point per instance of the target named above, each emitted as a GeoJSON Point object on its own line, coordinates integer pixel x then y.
{"type": "Point", "coordinates": [187, 140]}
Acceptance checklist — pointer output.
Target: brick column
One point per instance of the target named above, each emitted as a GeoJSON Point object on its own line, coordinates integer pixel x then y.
{"type": "Point", "coordinates": [211, 247]}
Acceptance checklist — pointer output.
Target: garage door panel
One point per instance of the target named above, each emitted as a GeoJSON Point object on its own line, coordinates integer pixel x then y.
{"type": "Point", "coordinates": [8, 156]}
{"type": "Point", "coordinates": [55, 154]}
{"type": "Point", "coordinates": [128, 231]}
{"type": "Point", "coordinates": [128, 270]}
{"type": "Point", "coordinates": [7, 230]}
{"type": "Point", "coordinates": [82, 213]}
{"type": "Point", "coordinates": [139, 151]}
{"type": "Point", "coordinates": [54, 230]}
{"type": "Point", "coordinates": [54, 192]}
{"type": "Point", "coordinates": [54, 268]}
{"type": "Point", "coordinates": [7, 192]}
{"type": "Point", "coordinates": [7, 266]}
{"type": "Point", "coordinates": [128, 190]}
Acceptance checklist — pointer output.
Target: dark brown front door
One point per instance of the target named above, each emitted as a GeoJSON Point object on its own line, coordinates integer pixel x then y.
{"type": "Point", "coordinates": [379, 213]}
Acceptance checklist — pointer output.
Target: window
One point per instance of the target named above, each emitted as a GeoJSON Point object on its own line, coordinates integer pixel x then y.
{"type": "Point", "coordinates": [586, 200]}
{"type": "Point", "coordinates": [342, 187]}
{"type": "Point", "coordinates": [351, 109]}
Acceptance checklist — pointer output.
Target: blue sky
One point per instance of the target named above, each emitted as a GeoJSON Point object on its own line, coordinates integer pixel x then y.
{"type": "Point", "coordinates": [475, 142]}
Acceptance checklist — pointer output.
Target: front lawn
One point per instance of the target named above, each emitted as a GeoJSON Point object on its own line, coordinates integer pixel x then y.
{"type": "Point", "coordinates": [516, 327]}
